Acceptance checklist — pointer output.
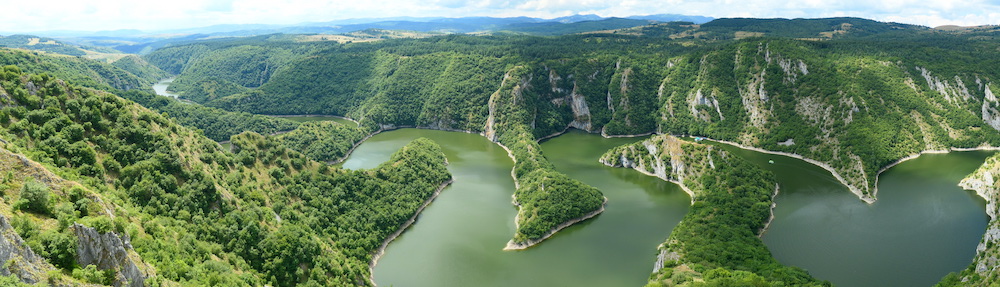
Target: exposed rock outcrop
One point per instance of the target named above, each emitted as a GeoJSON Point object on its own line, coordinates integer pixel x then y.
{"type": "Point", "coordinates": [665, 157]}
{"type": "Point", "coordinates": [991, 115]}
{"type": "Point", "coordinates": [953, 93]}
{"type": "Point", "coordinates": [18, 258]}
{"type": "Point", "coordinates": [983, 181]}
{"type": "Point", "coordinates": [110, 251]}
{"type": "Point", "coordinates": [581, 112]}
{"type": "Point", "coordinates": [700, 99]}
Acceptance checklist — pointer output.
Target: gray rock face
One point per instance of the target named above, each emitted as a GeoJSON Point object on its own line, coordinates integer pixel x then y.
{"type": "Point", "coordinates": [108, 251]}
{"type": "Point", "coordinates": [22, 262]}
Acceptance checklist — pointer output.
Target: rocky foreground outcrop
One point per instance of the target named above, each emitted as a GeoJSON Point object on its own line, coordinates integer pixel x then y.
{"type": "Point", "coordinates": [110, 251]}
{"type": "Point", "coordinates": [18, 258]}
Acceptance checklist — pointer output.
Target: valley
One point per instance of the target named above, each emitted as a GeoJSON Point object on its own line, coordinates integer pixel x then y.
{"type": "Point", "coordinates": [520, 158]}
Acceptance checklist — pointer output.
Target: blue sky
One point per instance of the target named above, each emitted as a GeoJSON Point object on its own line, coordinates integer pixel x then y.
{"type": "Point", "coordinates": [40, 15]}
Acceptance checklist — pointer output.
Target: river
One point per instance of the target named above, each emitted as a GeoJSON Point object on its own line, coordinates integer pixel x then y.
{"type": "Point", "coordinates": [161, 87]}
{"type": "Point", "coordinates": [922, 227]}
{"type": "Point", "coordinates": [458, 240]}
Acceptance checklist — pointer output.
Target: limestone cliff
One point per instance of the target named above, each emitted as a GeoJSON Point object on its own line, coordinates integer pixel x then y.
{"type": "Point", "coordinates": [667, 158]}
{"type": "Point", "coordinates": [855, 116]}
{"type": "Point", "coordinates": [547, 200]}
{"type": "Point", "coordinates": [109, 251]}
{"type": "Point", "coordinates": [986, 265]}
{"type": "Point", "coordinates": [731, 201]}
{"type": "Point", "coordinates": [18, 257]}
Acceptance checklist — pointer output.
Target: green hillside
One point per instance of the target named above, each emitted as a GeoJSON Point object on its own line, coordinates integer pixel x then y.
{"type": "Point", "coordinates": [717, 243]}
{"type": "Point", "coordinates": [851, 95]}
{"type": "Point", "coordinates": [840, 100]}
{"type": "Point", "coordinates": [195, 214]}
{"type": "Point", "coordinates": [87, 142]}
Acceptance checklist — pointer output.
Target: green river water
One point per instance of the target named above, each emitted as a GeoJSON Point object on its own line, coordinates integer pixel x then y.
{"type": "Point", "coordinates": [458, 240]}
{"type": "Point", "coordinates": [922, 227]}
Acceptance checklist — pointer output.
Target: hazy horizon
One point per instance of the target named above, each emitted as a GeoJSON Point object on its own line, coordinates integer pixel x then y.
{"type": "Point", "coordinates": [110, 15]}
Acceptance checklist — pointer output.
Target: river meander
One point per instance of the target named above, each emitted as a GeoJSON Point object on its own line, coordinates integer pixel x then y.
{"type": "Point", "coordinates": [161, 87]}
{"type": "Point", "coordinates": [922, 227]}
{"type": "Point", "coordinates": [457, 240]}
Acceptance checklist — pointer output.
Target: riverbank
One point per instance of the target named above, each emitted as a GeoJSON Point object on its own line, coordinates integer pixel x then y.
{"type": "Point", "coordinates": [770, 219]}
{"type": "Point", "coordinates": [874, 196]}
{"type": "Point", "coordinates": [314, 116]}
{"type": "Point", "coordinates": [517, 184]}
{"type": "Point", "coordinates": [381, 250]}
{"type": "Point", "coordinates": [353, 147]}
{"type": "Point", "coordinates": [602, 133]}
{"type": "Point", "coordinates": [677, 182]}
{"type": "Point", "coordinates": [511, 245]}
{"type": "Point", "coordinates": [853, 189]}
{"type": "Point", "coordinates": [916, 155]}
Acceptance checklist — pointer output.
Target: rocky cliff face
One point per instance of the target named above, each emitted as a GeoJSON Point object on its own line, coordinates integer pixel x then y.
{"type": "Point", "coordinates": [667, 158]}
{"type": "Point", "coordinates": [19, 259]}
{"type": "Point", "coordinates": [107, 251]}
{"type": "Point", "coordinates": [110, 251]}
{"type": "Point", "coordinates": [718, 182]}
{"type": "Point", "coordinates": [991, 114]}
{"type": "Point", "coordinates": [984, 181]}
{"type": "Point", "coordinates": [854, 116]}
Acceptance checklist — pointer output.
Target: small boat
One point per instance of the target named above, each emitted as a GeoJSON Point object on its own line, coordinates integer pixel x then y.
{"type": "Point", "coordinates": [771, 161]}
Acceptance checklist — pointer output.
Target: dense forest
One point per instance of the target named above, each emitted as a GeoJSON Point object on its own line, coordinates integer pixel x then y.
{"type": "Point", "coordinates": [717, 243]}
{"type": "Point", "coordinates": [197, 215]}
{"type": "Point", "coordinates": [832, 90]}
{"type": "Point", "coordinates": [87, 146]}
{"type": "Point", "coordinates": [852, 95]}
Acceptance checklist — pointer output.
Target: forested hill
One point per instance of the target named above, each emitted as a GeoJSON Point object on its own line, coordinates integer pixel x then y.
{"type": "Point", "coordinates": [718, 242]}
{"type": "Point", "coordinates": [97, 189]}
{"type": "Point", "coordinates": [86, 142]}
{"type": "Point", "coordinates": [851, 94]}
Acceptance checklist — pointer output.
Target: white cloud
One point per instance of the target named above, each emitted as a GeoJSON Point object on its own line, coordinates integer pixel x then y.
{"type": "Point", "coordinates": [40, 15]}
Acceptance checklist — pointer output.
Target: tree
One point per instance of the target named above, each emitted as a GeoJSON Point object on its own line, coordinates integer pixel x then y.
{"type": "Point", "coordinates": [34, 197]}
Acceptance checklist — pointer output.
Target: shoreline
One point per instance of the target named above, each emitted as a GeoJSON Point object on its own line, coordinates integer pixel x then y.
{"type": "Point", "coordinates": [314, 116]}
{"type": "Point", "coordinates": [564, 131]}
{"type": "Point", "coordinates": [386, 129]}
{"type": "Point", "coordinates": [857, 192]}
{"type": "Point", "coordinates": [511, 245]}
{"type": "Point", "coordinates": [603, 135]}
{"type": "Point", "coordinates": [867, 199]}
{"type": "Point", "coordinates": [381, 250]}
{"type": "Point", "coordinates": [517, 184]}
{"type": "Point", "coordinates": [777, 189]}
{"type": "Point", "coordinates": [690, 193]}
{"type": "Point", "coordinates": [940, 151]}
{"type": "Point", "coordinates": [353, 147]}
{"type": "Point", "coordinates": [678, 183]}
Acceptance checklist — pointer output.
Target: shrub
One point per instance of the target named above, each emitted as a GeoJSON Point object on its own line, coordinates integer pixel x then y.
{"type": "Point", "coordinates": [34, 198]}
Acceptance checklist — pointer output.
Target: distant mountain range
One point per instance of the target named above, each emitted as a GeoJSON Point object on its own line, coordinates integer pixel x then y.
{"type": "Point", "coordinates": [136, 41]}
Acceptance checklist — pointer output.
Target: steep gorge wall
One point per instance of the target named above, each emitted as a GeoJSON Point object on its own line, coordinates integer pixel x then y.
{"type": "Point", "coordinates": [855, 116]}
{"type": "Point", "coordinates": [731, 201]}
{"type": "Point", "coordinates": [986, 264]}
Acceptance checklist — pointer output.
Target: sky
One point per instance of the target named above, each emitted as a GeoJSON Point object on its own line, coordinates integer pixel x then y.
{"type": "Point", "coordinates": [98, 15]}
